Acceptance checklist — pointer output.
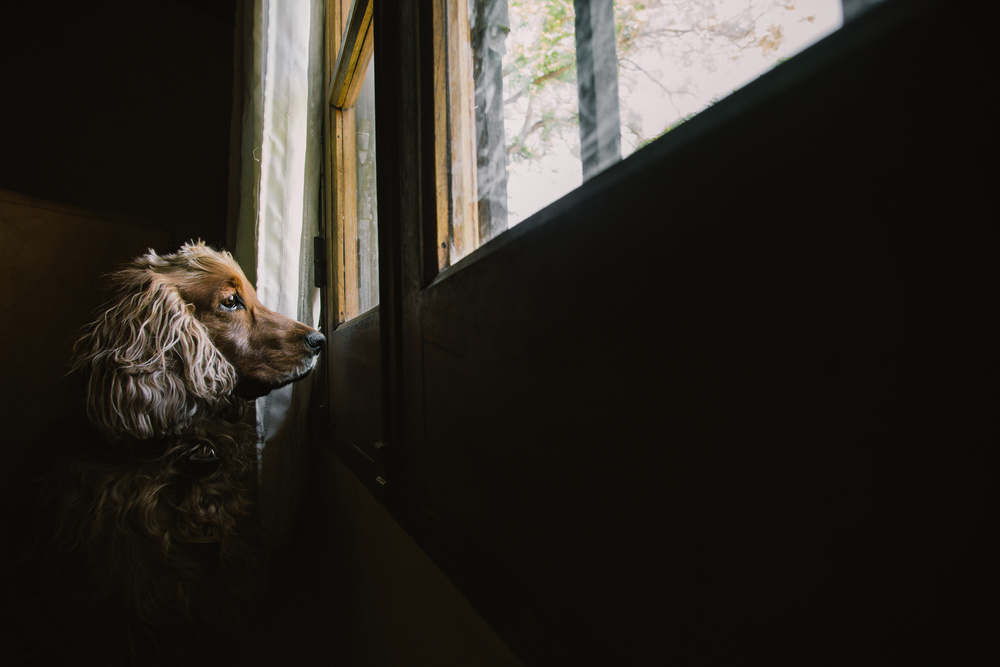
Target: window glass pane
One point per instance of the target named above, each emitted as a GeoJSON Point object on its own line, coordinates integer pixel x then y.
{"type": "Point", "coordinates": [541, 111]}
{"type": "Point", "coordinates": [366, 195]}
{"type": "Point", "coordinates": [678, 58]}
{"type": "Point", "coordinates": [619, 75]}
{"type": "Point", "coordinates": [357, 201]}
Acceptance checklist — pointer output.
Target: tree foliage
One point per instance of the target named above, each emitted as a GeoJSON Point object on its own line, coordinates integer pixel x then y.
{"type": "Point", "coordinates": [661, 46]}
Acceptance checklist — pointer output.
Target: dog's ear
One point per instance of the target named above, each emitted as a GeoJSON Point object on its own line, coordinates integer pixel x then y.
{"type": "Point", "coordinates": [152, 370]}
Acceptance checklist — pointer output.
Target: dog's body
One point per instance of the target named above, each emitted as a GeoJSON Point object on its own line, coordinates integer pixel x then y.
{"type": "Point", "coordinates": [147, 544]}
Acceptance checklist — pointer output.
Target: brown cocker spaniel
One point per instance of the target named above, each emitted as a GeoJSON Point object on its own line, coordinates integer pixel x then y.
{"type": "Point", "coordinates": [147, 543]}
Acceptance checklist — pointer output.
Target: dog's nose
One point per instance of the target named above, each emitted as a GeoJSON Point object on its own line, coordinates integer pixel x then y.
{"type": "Point", "coordinates": [316, 340]}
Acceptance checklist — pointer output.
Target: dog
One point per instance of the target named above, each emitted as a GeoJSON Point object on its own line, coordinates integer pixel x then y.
{"type": "Point", "coordinates": [147, 548]}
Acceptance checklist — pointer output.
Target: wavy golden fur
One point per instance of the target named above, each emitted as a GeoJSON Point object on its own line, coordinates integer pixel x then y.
{"type": "Point", "coordinates": [153, 544]}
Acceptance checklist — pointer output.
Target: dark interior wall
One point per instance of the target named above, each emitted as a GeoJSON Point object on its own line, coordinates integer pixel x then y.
{"type": "Point", "coordinates": [352, 588]}
{"type": "Point", "coordinates": [122, 108]}
{"type": "Point", "coordinates": [115, 121]}
{"type": "Point", "coordinates": [51, 259]}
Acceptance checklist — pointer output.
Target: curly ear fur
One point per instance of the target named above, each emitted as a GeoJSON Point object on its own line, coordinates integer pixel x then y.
{"type": "Point", "coordinates": [152, 370]}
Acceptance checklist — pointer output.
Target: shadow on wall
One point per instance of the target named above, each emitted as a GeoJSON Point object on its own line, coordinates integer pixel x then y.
{"type": "Point", "coordinates": [121, 111]}
{"type": "Point", "coordinates": [52, 258]}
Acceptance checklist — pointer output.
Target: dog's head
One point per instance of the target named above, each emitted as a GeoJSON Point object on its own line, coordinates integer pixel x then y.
{"type": "Point", "coordinates": [181, 336]}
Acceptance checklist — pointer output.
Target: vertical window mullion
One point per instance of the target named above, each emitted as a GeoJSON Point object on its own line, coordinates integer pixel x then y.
{"type": "Point", "coordinates": [597, 85]}
{"type": "Point", "coordinates": [455, 132]}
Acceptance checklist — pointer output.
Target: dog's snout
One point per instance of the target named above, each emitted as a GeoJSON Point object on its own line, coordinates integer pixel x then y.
{"type": "Point", "coordinates": [315, 340]}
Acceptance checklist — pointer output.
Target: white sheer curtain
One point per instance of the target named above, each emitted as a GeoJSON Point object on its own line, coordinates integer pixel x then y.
{"type": "Point", "coordinates": [282, 97]}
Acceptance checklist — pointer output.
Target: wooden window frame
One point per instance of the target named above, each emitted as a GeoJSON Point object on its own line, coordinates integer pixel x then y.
{"type": "Point", "coordinates": [353, 337]}
{"type": "Point", "coordinates": [456, 191]}
{"type": "Point", "coordinates": [347, 59]}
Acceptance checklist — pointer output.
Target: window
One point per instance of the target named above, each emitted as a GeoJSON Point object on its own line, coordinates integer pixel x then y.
{"type": "Point", "coordinates": [546, 95]}
{"type": "Point", "coordinates": [645, 355]}
{"type": "Point", "coordinates": [351, 231]}
{"type": "Point", "coordinates": [350, 184]}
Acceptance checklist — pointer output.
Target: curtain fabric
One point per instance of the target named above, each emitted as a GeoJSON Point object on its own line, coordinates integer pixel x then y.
{"type": "Point", "coordinates": [282, 96]}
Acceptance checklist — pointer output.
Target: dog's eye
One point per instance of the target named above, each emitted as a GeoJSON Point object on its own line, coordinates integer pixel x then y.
{"type": "Point", "coordinates": [231, 302]}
